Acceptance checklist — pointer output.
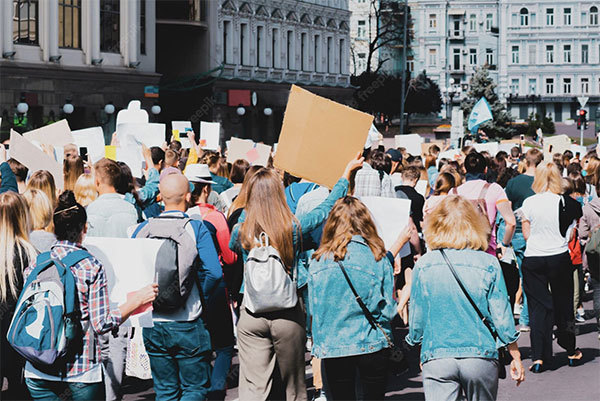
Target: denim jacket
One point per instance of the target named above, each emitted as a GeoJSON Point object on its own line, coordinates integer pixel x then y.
{"type": "Point", "coordinates": [339, 326]}
{"type": "Point", "coordinates": [441, 317]}
{"type": "Point", "coordinates": [308, 222]}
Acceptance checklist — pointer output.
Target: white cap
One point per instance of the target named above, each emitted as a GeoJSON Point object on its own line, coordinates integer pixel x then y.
{"type": "Point", "coordinates": [199, 173]}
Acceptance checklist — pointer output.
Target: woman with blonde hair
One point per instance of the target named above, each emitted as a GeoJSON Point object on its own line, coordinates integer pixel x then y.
{"type": "Point", "coordinates": [547, 218]}
{"type": "Point", "coordinates": [343, 336]}
{"type": "Point", "coordinates": [443, 184]}
{"type": "Point", "coordinates": [40, 210]}
{"type": "Point", "coordinates": [459, 307]}
{"type": "Point", "coordinates": [278, 336]}
{"type": "Point", "coordinates": [16, 253]}
{"type": "Point", "coordinates": [72, 168]}
{"type": "Point", "coordinates": [85, 189]}
{"type": "Point", "coordinates": [591, 168]}
{"type": "Point", "coordinates": [44, 181]}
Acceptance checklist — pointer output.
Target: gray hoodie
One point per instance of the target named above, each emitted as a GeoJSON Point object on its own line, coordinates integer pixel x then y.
{"type": "Point", "coordinates": [590, 219]}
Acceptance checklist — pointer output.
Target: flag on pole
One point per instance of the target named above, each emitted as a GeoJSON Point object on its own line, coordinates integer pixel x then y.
{"type": "Point", "coordinates": [481, 113]}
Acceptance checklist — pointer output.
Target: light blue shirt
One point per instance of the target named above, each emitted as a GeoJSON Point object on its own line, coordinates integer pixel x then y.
{"type": "Point", "coordinates": [110, 215]}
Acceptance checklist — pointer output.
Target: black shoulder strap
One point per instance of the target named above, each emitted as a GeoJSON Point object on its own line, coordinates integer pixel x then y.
{"type": "Point", "coordinates": [464, 290]}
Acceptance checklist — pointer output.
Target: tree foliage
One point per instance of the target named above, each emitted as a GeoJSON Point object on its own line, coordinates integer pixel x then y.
{"type": "Point", "coordinates": [545, 123]}
{"type": "Point", "coordinates": [423, 96]}
{"type": "Point", "coordinates": [482, 85]}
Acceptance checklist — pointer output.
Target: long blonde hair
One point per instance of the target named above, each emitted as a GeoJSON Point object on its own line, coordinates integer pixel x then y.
{"type": "Point", "coordinates": [547, 178]}
{"type": "Point", "coordinates": [240, 201]}
{"type": "Point", "coordinates": [72, 169]}
{"type": "Point", "coordinates": [44, 181]}
{"type": "Point", "coordinates": [349, 217]}
{"type": "Point", "coordinates": [267, 211]}
{"type": "Point", "coordinates": [456, 224]}
{"type": "Point", "coordinates": [85, 189]}
{"type": "Point", "coordinates": [14, 237]}
{"type": "Point", "coordinates": [40, 209]}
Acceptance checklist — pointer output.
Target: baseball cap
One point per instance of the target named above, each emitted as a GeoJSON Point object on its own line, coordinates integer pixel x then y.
{"type": "Point", "coordinates": [395, 155]}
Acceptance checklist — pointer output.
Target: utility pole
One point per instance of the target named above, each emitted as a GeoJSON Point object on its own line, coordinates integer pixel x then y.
{"type": "Point", "coordinates": [404, 60]}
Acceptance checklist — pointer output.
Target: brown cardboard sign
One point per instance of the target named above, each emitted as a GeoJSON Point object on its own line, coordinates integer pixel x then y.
{"type": "Point", "coordinates": [319, 137]}
{"type": "Point", "coordinates": [33, 158]}
{"type": "Point", "coordinates": [55, 134]}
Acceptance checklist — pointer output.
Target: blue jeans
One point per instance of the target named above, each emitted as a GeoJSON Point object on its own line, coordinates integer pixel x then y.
{"type": "Point", "coordinates": [46, 390]}
{"type": "Point", "coordinates": [180, 354]}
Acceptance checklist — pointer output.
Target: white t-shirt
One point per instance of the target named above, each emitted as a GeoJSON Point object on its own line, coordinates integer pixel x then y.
{"type": "Point", "coordinates": [541, 210]}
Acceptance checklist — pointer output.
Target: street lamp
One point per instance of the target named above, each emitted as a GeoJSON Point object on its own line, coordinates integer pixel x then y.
{"type": "Point", "coordinates": [68, 107]}
{"type": "Point", "coordinates": [240, 110]}
{"type": "Point", "coordinates": [449, 93]}
{"type": "Point", "coordinates": [22, 107]}
{"type": "Point", "coordinates": [109, 108]}
{"type": "Point", "coordinates": [155, 109]}
{"type": "Point", "coordinates": [268, 111]}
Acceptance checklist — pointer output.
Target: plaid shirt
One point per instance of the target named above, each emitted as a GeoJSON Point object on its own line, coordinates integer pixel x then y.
{"type": "Point", "coordinates": [93, 302]}
{"type": "Point", "coordinates": [368, 182]}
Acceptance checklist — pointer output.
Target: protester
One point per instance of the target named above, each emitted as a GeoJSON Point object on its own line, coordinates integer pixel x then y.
{"type": "Point", "coordinates": [588, 225]}
{"type": "Point", "coordinates": [547, 216]}
{"type": "Point", "coordinates": [179, 344]}
{"type": "Point", "coordinates": [410, 177]}
{"type": "Point", "coordinates": [592, 172]}
{"type": "Point", "coordinates": [342, 334]}
{"type": "Point", "coordinates": [278, 336]}
{"type": "Point", "coordinates": [40, 211]}
{"type": "Point", "coordinates": [459, 353]}
{"type": "Point", "coordinates": [20, 172]}
{"type": "Point", "coordinates": [85, 189]}
{"type": "Point", "coordinates": [72, 169]}
{"type": "Point", "coordinates": [395, 172]}
{"type": "Point", "coordinates": [443, 184]}
{"type": "Point", "coordinates": [432, 170]}
{"type": "Point", "coordinates": [44, 181]}
{"type": "Point", "coordinates": [158, 157]}
{"type": "Point", "coordinates": [8, 181]}
{"type": "Point", "coordinates": [82, 378]}
{"type": "Point", "coordinates": [238, 172]}
{"type": "Point", "coordinates": [16, 253]}
{"type": "Point", "coordinates": [213, 159]}
{"type": "Point", "coordinates": [373, 178]}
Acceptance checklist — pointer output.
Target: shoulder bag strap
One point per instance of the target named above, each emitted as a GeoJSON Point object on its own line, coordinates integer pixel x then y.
{"type": "Point", "coordinates": [464, 290]}
{"type": "Point", "coordinates": [363, 307]}
{"type": "Point", "coordinates": [484, 190]}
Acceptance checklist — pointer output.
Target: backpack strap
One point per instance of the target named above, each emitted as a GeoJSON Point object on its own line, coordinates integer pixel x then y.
{"type": "Point", "coordinates": [42, 262]}
{"type": "Point", "coordinates": [64, 268]}
{"type": "Point", "coordinates": [484, 190]}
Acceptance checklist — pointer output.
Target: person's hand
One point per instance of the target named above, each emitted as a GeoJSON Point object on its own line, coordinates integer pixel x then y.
{"type": "Point", "coordinates": [192, 137]}
{"type": "Point", "coordinates": [407, 233]}
{"type": "Point", "coordinates": [114, 141]}
{"type": "Point", "coordinates": [49, 150]}
{"type": "Point", "coordinates": [146, 295]}
{"type": "Point", "coordinates": [2, 153]}
{"type": "Point", "coordinates": [517, 372]}
{"type": "Point", "coordinates": [352, 165]}
{"type": "Point", "coordinates": [164, 146]}
{"type": "Point", "coordinates": [500, 251]}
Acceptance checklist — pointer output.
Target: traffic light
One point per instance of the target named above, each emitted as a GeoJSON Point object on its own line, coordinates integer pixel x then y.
{"type": "Point", "coordinates": [582, 118]}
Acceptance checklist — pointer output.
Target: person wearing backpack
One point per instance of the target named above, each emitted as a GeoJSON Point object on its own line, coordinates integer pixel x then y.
{"type": "Point", "coordinates": [15, 255]}
{"type": "Point", "coordinates": [490, 198]}
{"type": "Point", "coordinates": [79, 375]}
{"type": "Point", "coordinates": [276, 335]}
{"type": "Point", "coordinates": [189, 273]}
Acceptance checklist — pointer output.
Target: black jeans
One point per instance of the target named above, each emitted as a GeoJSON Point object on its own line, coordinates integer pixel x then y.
{"type": "Point", "coordinates": [549, 307]}
{"type": "Point", "coordinates": [372, 373]}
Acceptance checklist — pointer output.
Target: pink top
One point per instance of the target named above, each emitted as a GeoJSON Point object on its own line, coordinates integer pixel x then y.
{"type": "Point", "coordinates": [217, 219]}
{"type": "Point", "coordinates": [494, 196]}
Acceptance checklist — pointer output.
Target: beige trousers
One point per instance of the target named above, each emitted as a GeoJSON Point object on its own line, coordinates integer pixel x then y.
{"type": "Point", "coordinates": [268, 338]}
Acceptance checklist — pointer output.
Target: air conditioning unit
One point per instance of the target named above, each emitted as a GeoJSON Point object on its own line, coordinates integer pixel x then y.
{"type": "Point", "coordinates": [464, 51]}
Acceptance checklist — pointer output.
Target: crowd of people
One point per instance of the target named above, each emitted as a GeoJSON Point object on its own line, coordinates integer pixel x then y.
{"type": "Point", "coordinates": [265, 260]}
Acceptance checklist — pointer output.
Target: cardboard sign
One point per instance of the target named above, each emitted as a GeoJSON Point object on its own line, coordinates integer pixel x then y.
{"type": "Point", "coordinates": [209, 135]}
{"type": "Point", "coordinates": [33, 158]}
{"type": "Point", "coordinates": [56, 134]}
{"type": "Point", "coordinates": [129, 266]}
{"type": "Point", "coordinates": [390, 216]}
{"type": "Point", "coordinates": [411, 142]}
{"type": "Point", "coordinates": [92, 139]}
{"type": "Point", "coordinates": [555, 144]}
{"type": "Point", "coordinates": [319, 137]}
{"type": "Point", "coordinates": [256, 154]}
{"type": "Point", "coordinates": [134, 134]}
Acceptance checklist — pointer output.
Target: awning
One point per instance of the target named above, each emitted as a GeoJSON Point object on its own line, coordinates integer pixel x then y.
{"type": "Point", "coordinates": [457, 11]}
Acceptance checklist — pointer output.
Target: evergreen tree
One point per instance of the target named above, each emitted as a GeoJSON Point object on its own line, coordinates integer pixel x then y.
{"type": "Point", "coordinates": [424, 95]}
{"type": "Point", "coordinates": [482, 85]}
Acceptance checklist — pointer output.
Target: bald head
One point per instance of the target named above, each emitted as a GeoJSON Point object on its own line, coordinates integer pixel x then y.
{"type": "Point", "coordinates": [175, 192]}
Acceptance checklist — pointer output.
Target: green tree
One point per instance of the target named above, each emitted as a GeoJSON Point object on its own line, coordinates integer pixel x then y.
{"type": "Point", "coordinates": [423, 96]}
{"type": "Point", "coordinates": [545, 123]}
{"type": "Point", "coordinates": [482, 85]}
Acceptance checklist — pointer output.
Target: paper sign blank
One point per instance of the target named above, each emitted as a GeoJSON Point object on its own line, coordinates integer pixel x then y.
{"type": "Point", "coordinates": [55, 134]}
{"type": "Point", "coordinates": [319, 137]}
{"type": "Point", "coordinates": [252, 155]}
{"type": "Point", "coordinates": [210, 132]}
{"type": "Point", "coordinates": [33, 158]}
{"type": "Point", "coordinates": [238, 149]}
{"type": "Point", "coordinates": [412, 143]}
{"type": "Point", "coordinates": [150, 134]}
{"type": "Point", "coordinates": [390, 216]}
{"type": "Point", "coordinates": [93, 139]}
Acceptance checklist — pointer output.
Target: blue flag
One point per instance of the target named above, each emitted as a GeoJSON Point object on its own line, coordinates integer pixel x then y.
{"type": "Point", "coordinates": [481, 113]}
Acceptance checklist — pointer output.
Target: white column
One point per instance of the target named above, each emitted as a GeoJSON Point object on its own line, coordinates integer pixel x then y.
{"type": "Point", "coordinates": [51, 29]}
{"type": "Point", "coordinates": [6, 17]}
{"type": "Point", "coordinates": [129, 31]}
{"type": "Point", "coordinates": [94, 30]}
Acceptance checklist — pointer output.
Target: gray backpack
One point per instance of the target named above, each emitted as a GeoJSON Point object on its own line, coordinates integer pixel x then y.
{"type": "Point", "coordinates": [267, 285]}
{"type": "Point", "coordinates": [176, 261]}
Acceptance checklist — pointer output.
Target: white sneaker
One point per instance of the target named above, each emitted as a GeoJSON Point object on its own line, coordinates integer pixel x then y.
{"type": "Point", "coordinates": [518, 309]}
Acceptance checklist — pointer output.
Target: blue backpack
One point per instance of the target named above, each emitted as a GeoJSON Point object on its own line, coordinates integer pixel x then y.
{"type": "Point", "coordinates": [46, 326]}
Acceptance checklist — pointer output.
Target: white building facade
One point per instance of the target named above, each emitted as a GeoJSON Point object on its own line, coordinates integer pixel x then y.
{"type": "Point", "coordinates": [363, 27]}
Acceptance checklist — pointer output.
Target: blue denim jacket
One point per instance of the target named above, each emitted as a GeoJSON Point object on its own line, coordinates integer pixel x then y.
{"type": "Point", "coordinates": [339, 326]}
{"type": "Point", "coordinates": [441, 317]}
{"type": "Point", "coordinates": [308, 222]}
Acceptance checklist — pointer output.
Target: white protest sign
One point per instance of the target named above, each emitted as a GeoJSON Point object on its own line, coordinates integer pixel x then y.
{"type": "Point", "coordinates": [92, 139]}
{"type": "Point", "coordinates": [411, 142]}
{"type": "Point", "coordinates": [390, 216]}
{"type": "Point", "coordinates": [182, 127]}
{"type": "Point", "coordinates": [256, 154]}
{"type": "Point", "coordinates": [582, 150]}
{"type": "Point", "coordinates": [55, 134]}
{"type": "Point", "coordinates": [450, 154]}
{"type": "Point", "coordinates": [555, 144]}
{"type": "Point", "coordinates": [209, 135]}
{"type": "Point", "coordinates": [132, 114]}
{"type": "Point", "coordinates": [490, 147]}
{"type": "Point", "coordinates": [129, 265]}
{"type": "Point", "coordinates": [132, 156]}
{"type": "Point", "coordinates": [150, 134]}
{"type": "Point", "coordinates": [33, 158]}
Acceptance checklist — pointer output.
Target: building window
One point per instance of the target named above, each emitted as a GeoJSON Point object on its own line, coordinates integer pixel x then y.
{"type": "Point", "coordinates": [585, 85]}
{"type": "Point", "coordinates": [69, 24]}
{"type": "Point", "coordinates": [549, 54]}
{"type": "Point", "coordinates": [410, 63]}
{"type": "Point", "coordinates": [473, 22]}
{"type": "Point", "coordinates": [532, 54]}
{"type": "Point", "coordinates": [489, 18]}
{"type": "Point", "coordinates": [290, 50]}
{"type": "Point", "coordinates": [524, 17]}
{"type": "Point", "coordinates": [341, 56]}
{"type": "Point", "coordinates": [432, 22]}
{"type": "Point", "coordinates": [226, 41]}
{"type": "Point", "coordinates": [515, 54]}
{"type": "Point", "coordinates": [110, 26]}
{"type": "Point", "coordinates": [566, 86]}
{"type": "Point", "coordinates": [318, 57]}
{"type": "Point", "coordinates": [514, 86]}
{"type": "Point", "coordinates": [473, 57]}
{"type": "Point", "coordinates": [532, 86]}
{"type": "Point", "coordinates": [329, 54]}
{"type": "Point", "coordinates": [549, 86]}
{"type": "Point", "coordinates": [489, 56]}
{"type": "Point", "coordinates": [361, 64]}
{"type": "Point", "coordinates": [244, 37]}
{"type": "Point", "coordinates": [567, 53]}
{"type": "Point", "coordinates": [549, 16]}
{"type": "Point", "coordinates": [362, 29]}
{"type": "Point", "coordinates": [593, 15]}
{"type": "Point", "coordinates": [304, 52]}
{"type": "Point", "coordinates": [567, 16]}
{"type": "Point", "coordinates": [142, 26]}
{"type": "Point", "coordinates": [260, 40]}
{"type": "Point", "coordinates": [25, 22]}
{"type": "Point", "coordinates": [433, 57]}
{"type": "Point", "coordinates": [585, 54]}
